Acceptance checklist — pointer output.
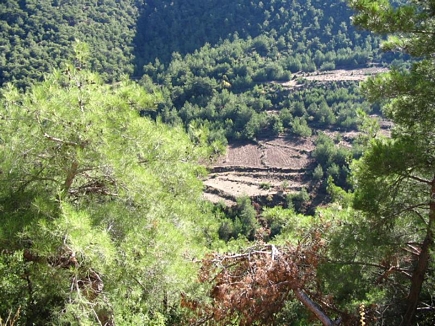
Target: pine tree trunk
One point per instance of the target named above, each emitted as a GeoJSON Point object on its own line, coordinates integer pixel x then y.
{"type": "Point", "coordinates": [422, 265]}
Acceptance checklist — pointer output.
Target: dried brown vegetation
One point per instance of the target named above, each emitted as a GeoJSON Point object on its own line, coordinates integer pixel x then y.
{"type": "Point", "coordinates": [252, 286]}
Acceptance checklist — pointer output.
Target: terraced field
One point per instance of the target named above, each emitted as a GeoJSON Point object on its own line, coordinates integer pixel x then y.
{"type": "Point", "coordinates": [267, 168]}
{"type": "Point", "coordinates": [271, 168]}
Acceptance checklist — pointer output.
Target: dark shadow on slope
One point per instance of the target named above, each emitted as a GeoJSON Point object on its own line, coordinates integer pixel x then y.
{"type": "Point", "coordinates": [183, 26]}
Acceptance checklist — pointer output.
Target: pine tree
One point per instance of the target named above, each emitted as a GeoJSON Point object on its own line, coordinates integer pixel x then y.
{"type": "Point", "coordinates": [100, 208]}
{"type": "Point", "coordinates": [395, 179]}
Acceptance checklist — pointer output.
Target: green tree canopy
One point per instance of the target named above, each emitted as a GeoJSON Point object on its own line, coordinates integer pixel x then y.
{"type": "Point", "coordinates": [395, 180]}
{"type": "Point", "coordinates": [101, 210]}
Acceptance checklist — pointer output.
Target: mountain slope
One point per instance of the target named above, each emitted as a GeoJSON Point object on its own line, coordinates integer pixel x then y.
{"type": "Point", "coordinates": [183, 26]}
{"type": "Point", "coordinates": [36, 35]}
{"type": "Point", "coordinates": [125, 35]}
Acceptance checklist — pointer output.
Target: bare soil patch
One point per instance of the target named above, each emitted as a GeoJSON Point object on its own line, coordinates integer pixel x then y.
{"type": "Point", "coordinates": [266, 168]}
{"type": "Point", "coordinates": [343, 74]}
{"type": "Point", "coordinates": [335, 75]}
{"type": "Point", "coordinates": [287, 153]}
{"type": "Point", "coordinates": [241, 154]}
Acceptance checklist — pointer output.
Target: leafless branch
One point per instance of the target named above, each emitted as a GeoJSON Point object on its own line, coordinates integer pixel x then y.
{"type": "Point", "coordinates": [413, 177]}
{"type": "Point", "coordinates": [64, 142]}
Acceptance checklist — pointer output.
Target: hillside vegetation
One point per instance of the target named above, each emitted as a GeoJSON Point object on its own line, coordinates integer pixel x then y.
{"type": "Point", "coordinates": [295, 27]}
{"type": "Point", "coordinates": [118, 118]}
{"type": "Point", "coordinates": [212, 60]}
{"type": "Point", "coordinates": [36, 35]}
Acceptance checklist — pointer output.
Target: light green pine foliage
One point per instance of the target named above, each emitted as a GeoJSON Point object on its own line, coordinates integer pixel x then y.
{"type": "Point", "coordinates": [101, 210]}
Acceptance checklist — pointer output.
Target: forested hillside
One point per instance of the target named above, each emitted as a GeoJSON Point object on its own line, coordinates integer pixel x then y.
{"type": "Point", "coordinates": [213, 61]}
{"type": "Point", "coordinates": [231, 80]}
{"type": "Point", "coordinates": [297, 27]}
{"type": "Point", "coordinates": [36, 36]}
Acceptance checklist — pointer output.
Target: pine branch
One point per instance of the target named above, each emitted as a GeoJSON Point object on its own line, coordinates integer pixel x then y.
{"type": "Point", "coordinates": [313, 307]}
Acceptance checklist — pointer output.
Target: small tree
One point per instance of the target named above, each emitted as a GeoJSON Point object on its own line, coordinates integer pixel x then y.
{"type": "Point", "coordinates": [248, 217]}
{"type": "Point", "coordinates": [300, 127]}
{"type": "Point", "coordinates": [318, 173]}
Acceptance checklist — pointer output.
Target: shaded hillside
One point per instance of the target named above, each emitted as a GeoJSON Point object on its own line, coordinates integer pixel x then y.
{"type": "Point", "coordinates": [235, 87]}
{"type": "Point", "coordinates": [216, 67]}
{"type": "Point", "coordinates": [298, 26]}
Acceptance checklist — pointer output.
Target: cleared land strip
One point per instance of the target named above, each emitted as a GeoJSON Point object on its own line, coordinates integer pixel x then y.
{"type": "Point", "coordinates": [335, 75]}
{"type": "Point", "coordinates": [267, 169]}
{"type": "Point", "coordinates": [248, 169]}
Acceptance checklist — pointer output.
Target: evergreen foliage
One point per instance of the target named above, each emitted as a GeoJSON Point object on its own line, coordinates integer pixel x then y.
{"type": "Point", "coordinates": [395, 182]}
{"type": "Point", "coordinates": [101, 210]}
{"type": "Point", "coordinates": [129, 34]}
{"type": "Point", "coordinates": [298, 28]}
{"type": "Point", "coordinates": [102, 220]}
{"type": "Point", "coordinates": [214, 61]}
{"type": "Point", "coordinates": [36, 36]}
{"type": "Point", "coordinates": [239, 221]}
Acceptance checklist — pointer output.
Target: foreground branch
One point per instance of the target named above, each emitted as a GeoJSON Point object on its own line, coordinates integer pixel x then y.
{"type": "Point", "coordinates": [253, 286]}
{"type": "Point", "coordinates": [314, 308]}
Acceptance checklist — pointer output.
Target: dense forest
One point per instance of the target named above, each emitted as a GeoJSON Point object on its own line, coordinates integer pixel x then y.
{"type": "Point", "coordinates": [125, 35]}
{"type": "Point", "coordinates": [111, 111]}
{"type": "Point", "coordinates": [36, 36]}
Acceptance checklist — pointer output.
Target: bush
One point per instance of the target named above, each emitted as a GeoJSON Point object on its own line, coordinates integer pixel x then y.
{"type": "Point", "coordinates": [265, 185]}
{"type": "Point", "coordinates": [300, 127]}
{"type": "Point", "coordinates": [327, 66]}
{"type": "Point", "coordinates": [298, 200]}
{"type": "Point", "coordinates": [318, 173]}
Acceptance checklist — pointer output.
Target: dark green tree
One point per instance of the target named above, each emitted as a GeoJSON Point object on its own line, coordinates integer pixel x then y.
{"type": "Point", "coordinates": [395, 180]}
